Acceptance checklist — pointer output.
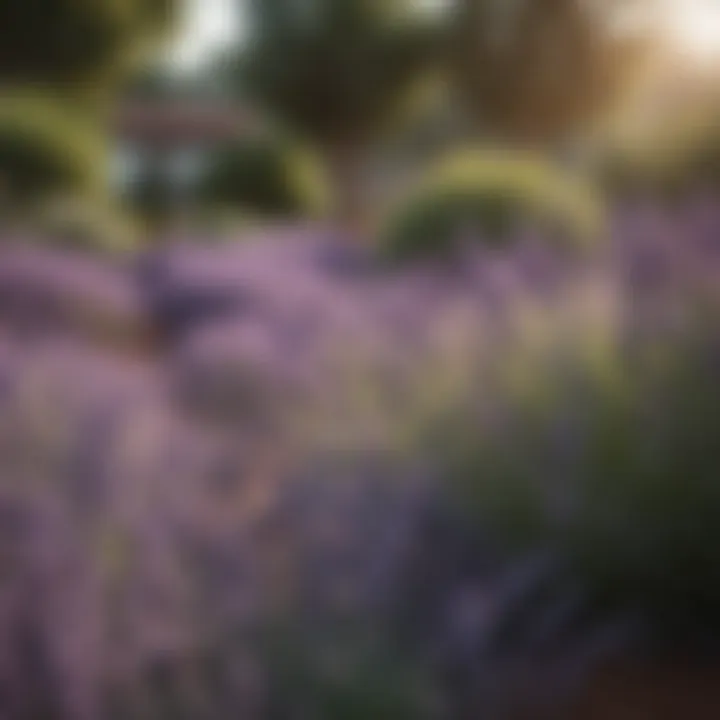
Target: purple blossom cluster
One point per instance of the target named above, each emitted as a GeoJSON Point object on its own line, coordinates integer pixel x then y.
{"type": "Point", "coordinates": [276, 480]}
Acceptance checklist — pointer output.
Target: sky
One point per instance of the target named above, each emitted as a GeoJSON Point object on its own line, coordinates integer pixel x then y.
{"type": "Point", "coordinates": [210, 24]}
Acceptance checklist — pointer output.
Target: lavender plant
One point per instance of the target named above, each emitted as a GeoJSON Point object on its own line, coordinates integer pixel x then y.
{"type": "Point", "coordinates": [48, 293]}
{"type": "Point", "coordinates": [426, 493]}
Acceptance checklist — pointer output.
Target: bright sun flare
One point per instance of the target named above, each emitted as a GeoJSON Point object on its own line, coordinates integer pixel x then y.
{"type": "Point", "coordinates": [696, 24]}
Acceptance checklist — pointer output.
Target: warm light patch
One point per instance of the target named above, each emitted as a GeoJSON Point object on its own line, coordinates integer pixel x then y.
{"type": "Point", "coordinates": [696, 24]}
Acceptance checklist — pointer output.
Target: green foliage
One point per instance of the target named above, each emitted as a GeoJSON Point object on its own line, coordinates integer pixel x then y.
{"type": "Point", "coordinates": [56, 42]}
{"type": "Point", "coordinates": [486, 197]}
{"type": "Point", "coordinates": [607, 459]}
{"type": "Point", "coordinates": [335, 70]}
{"type": "Point", "coordinates": [46, 150]}
{"type": "Point", "coordinates": [87, 226]}
{"type": "Point", "coordinates": [153, 83]}
{"type": "Point", "coordinates": [221, 224]}
{"type": "Point", "coordinates": [264, 176]}
{"type": "Point", "coordinates": [338, 73]}
{"type": "Point", "coordinates": [353, 675]}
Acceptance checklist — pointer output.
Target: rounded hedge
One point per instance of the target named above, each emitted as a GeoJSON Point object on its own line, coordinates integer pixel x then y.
{"type": "Point", "coordinates": [266, 177]}
{"type": "Point", "coordinates": [488, 196]}
{"type": "Point", "coordinates": [47, 150]}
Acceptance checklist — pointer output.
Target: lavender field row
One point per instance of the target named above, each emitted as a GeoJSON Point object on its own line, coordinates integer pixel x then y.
{"type": "Point", "coordinates": [277, 480]}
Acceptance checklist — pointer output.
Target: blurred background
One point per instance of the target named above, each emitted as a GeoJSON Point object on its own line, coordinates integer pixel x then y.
{"type": "Point", "coordinates": [174, 96]}
{"type": "Point", "coordinates": [359, 359]}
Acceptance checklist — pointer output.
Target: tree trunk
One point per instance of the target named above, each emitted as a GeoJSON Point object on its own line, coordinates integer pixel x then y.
{"type": "Point", "coordinates": [349, 190]}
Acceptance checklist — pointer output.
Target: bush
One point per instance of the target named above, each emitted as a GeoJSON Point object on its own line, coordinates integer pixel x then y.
{"type": "Point", "coordinates": [46, 150]}
{"type": "Point", "coordinates": [264, 176]}
{"type": "Point", "coordinates": [487, 197]}
{"type": "Point", "coordinates": [602, 455]}
{"type": "Point", "coordinates": [85, 226]}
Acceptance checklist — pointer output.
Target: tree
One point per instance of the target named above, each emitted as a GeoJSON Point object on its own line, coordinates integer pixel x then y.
{"type": "Point", "coordinates": [70, 42]}
{"type": "Point", "coordinates": [335, 71]}
{"type": "Point", "coordinates": [534, 71]}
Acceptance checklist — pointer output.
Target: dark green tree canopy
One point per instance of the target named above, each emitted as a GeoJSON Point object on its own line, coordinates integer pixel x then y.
{"type": "Point", "coordinates": [333, 69]}
{"type": "Point", "coordinates": [336, 73]}
{"type": "Point", "coordinates": [75, 41]}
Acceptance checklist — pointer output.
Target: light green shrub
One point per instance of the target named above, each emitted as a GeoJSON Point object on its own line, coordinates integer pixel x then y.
{"type": "Point", "coordinates": [47, 150]}
{"type": "Point", "coordinates": [488, 196]}
{"type": "Point", "coordinates": [97, 227]}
